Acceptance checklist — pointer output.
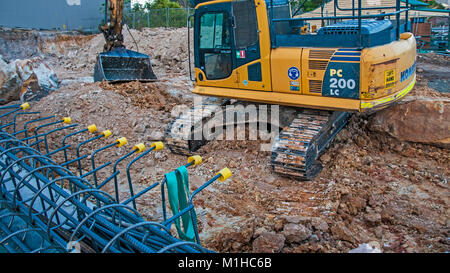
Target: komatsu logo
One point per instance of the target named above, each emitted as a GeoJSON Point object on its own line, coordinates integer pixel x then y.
{"type": "Point", "coordinates": [407, 72]}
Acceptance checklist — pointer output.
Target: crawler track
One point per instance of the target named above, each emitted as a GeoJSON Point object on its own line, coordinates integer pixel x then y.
{"type": "Point", "coordinates": [296, 149]}
{"type": "Point", "coordinates": [181, 136]}
{"type": "Point", "coordinates": [294, 152]}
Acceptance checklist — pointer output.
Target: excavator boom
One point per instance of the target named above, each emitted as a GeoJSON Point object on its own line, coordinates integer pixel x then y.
{"type": "Point", "coordinates": [116, 63]}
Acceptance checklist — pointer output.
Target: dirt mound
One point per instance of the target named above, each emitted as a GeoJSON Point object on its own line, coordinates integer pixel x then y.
{"type": "Point", "coordinates": [167, 49]}
{"type": "Point", "coordinates": [384, 189]}
{"type": "Point", "coordinates": [434, 58]}
{"type": "Point", "coordinates": [73, 55]}
{"type": "Point", "coordinates": [151, 95]}
{"type": "Point", "coordinates": [73, 52]}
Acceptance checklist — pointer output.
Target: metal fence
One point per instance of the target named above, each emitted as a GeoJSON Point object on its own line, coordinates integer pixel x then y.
{"type": "Point", "coordinates": [168, 17]}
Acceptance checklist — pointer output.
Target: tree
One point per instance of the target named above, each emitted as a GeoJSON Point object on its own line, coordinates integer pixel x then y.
{"type": "Point", "coordinates": [137, 7]}
{"type": "Point", "coordinates": [162, 4]}
{"type": "Point", "coordinates": [435, 5]}
{"type": "Point", "coordinates": [159, 13]}
{"type": "Point", "coordinates": [301, 6]}
{"type": "Point", "coordinates": [184, 3]}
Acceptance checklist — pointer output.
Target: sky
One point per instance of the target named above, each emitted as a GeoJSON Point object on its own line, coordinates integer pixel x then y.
{"type": "Point", "coordinates": [139, 1]}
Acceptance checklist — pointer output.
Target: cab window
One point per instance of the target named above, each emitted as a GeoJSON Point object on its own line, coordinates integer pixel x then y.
{"type": "Point", "coordinates": [215, 45]}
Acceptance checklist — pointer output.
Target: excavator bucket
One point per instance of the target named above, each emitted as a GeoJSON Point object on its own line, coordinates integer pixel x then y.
{"type": "Point", "coordinates": [123, 65]}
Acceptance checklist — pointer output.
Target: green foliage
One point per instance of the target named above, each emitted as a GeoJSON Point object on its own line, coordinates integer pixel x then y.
{"type": "Point", "coordinates": [137, 7]}
{"type": "Point", "coordinates": [308, 5]}
{"type": "Point", "coordinates": [435, 5]}
{"type": "Point", "coordinates": [159, 13]}
{"type": "Point", "coordinates": [156, 4]}
{"type": "Point", "coordinates": [161, 4]}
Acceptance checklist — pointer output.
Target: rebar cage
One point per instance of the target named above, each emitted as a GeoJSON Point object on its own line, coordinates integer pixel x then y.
{"type": "Point", "coordinates": [45, 207]}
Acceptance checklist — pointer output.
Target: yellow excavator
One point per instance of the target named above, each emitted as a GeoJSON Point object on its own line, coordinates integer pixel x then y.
{"type": "Point", "coordinates": [116, 63]}
{"type": "Point", "coordinates": [254, 51]}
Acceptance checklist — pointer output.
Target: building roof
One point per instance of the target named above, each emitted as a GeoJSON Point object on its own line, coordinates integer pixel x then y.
{"type": "Point", "coordinates": [328, 9]}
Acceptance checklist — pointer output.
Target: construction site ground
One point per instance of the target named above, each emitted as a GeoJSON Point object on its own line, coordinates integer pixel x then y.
{"type": "Point", "coordinates": [384, 181]}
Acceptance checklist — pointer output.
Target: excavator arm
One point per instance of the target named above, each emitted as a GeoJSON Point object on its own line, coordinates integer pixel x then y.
{"type": "Point", "coordinates": [112, 30]}
{"type": "Point", "coordinates": [116, 63]}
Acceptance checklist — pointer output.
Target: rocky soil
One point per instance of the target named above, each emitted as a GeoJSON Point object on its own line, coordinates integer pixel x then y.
{"type": "Point", "coordinates": [384, 180]}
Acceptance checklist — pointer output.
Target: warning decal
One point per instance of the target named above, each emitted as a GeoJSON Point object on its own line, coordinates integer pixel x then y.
{"type": "Point", "coordinates": [389, 78]}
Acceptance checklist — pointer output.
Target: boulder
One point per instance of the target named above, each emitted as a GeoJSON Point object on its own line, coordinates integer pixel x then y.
{"type": "Point", "coordinates": [268, 242]}
{"type": "Point", "coordinates": [30, 79]}
{"type": "Point", "coordinates": [45, 75]}
{"type": "Point", "coordinates": [10, 82]}
{"type": "Point", "coordinates": [296, 233]}
{"type": "Point", "coordinates": [341, 232]}
{"type": "Point", "coordinates": [426, 120]}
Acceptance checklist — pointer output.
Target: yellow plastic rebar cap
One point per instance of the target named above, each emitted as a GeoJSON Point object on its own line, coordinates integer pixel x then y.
{"type": "Point", "coordinates": [140, 147]}
{"type": "Point", "coordinates": [67, 120]}
{"type": "Point", "coordinates": [25, 105]}
{"type": "Point", "coordinates": [121, 141]}
{"type": "Point", "coordinates": [158, 145]}
{"type": "Point", "coordinates": [196, 158]}
{"type": "Point", "coordinates": [92, 128]}
{"type": "Point", "coordinates": [106, 133]}
{"type": "Point", "coordinates": [224, 174]}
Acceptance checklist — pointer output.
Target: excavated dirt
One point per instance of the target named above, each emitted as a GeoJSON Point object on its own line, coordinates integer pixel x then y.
{"type": "Point", "coordinates": [375, 188]}
{"type": "Point", "coordinates": [75, 58]}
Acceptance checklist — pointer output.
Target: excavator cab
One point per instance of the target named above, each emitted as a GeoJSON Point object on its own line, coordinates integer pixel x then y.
{"type": "Point", "coordinates": [116, 63]}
